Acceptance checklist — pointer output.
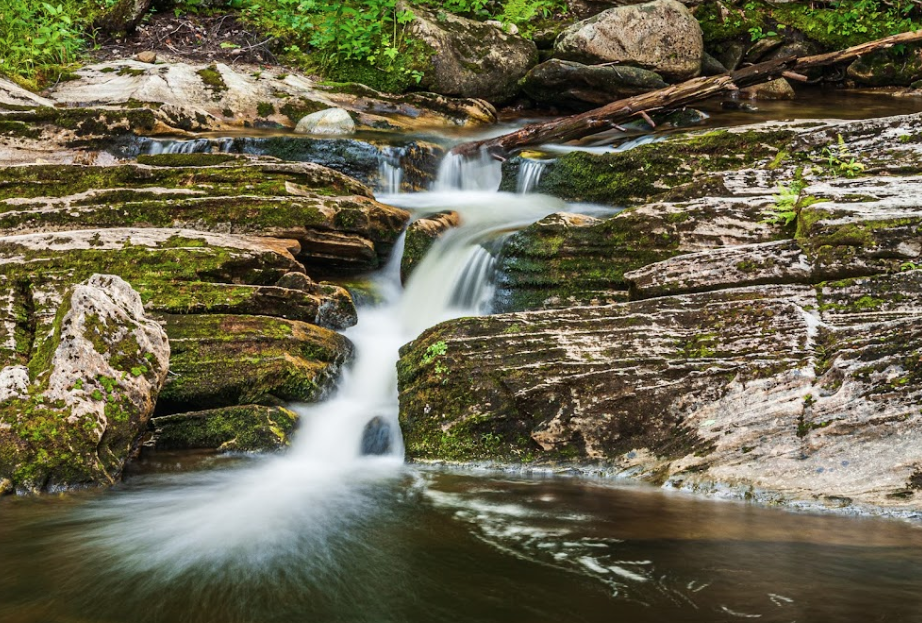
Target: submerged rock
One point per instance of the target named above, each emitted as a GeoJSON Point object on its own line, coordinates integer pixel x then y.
{"type": "Point", "coordinates": [574, 85]}
{"type": "Point", "coordinates": [779, 89]}
{"type": "Point", "coordinates": [376, 437]}
{"type": "Point", "coordinates": [74, 414]}
{"type": "Point", "coordinates": [662, 36]}
{"type": "Point", "coordinates": [466, 58]}
{"type": "Point", "coordinates": [244, 428]}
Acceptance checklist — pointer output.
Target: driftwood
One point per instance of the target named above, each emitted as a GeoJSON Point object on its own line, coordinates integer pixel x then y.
{"type": "Point", "coordinates": [674, 96]}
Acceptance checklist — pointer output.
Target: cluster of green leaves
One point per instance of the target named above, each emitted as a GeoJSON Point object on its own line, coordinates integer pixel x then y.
{"type": "Point", "coordinates": [843, 23]}
{"type": "Point", "coordinates": [840, 161]}
{"type": "Point", "coordinates": [39, 40]}
{"type": "Point", "coordinates": [836, 24]}
{"type": "Point", "coordinates": [787, 204]}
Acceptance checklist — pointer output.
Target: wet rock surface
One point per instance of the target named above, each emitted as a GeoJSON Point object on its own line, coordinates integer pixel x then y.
{"type": "Point", "coordinates": [764, 342]}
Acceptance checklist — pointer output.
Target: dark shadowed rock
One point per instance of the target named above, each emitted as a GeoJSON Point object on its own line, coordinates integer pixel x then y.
{"type": "Point", "coordinates": [574, 85]}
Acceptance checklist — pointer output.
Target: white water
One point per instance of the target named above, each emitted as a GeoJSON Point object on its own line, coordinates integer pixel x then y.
{"type": "Point", "coordinates": [244, 518]}
{"type": "Point", "coordinates": [530, 173]}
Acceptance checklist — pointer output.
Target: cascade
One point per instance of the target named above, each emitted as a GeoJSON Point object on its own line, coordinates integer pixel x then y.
{"type": "Point", "coordinates": [390, 170]}
{"type": "Point", "coordinates": [530, 172]}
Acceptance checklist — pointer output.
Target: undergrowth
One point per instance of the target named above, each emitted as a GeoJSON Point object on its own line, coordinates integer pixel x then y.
{"type": "Point", "coordinates": [834, 24]}
{"type": "Point", "coordinates": [40, 41]}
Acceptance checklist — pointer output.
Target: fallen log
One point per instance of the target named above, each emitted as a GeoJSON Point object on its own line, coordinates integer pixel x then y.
{"type": "Point", "coordinates": [674, 96]}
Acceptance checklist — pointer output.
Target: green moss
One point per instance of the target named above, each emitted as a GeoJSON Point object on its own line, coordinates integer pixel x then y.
{"type": "Point", "coordinates": [225, 360]}
{"type": "Point", "coordinates": [649, 171]}
{"type": "Point", "coordinates": [243, 428]}
{"type": "Point", "coordinates": [186, 160]}
{"type": "Point", "coordinates": [212, 79]}
{"type": "Point", "coordinates": [265, 109]}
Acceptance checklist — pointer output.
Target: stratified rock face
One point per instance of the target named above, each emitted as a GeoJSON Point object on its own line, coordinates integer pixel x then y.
{"type": "Point", "coordinates": [74, 414]}
{"type": "Point", "coordinates": [189, 97]}
{"type": "Point", "coordinates": [469, 58]}
{"type": "Point", "coordinates": [662, 36]}
{"type": "Point", "coordinates": [767, 342]}
{"type": "Point", "coordinates": [333, 217]}
{"type": "Point", "coordinates": [574, 85]}
{"type": "Point", "coordinates": [213, 245]}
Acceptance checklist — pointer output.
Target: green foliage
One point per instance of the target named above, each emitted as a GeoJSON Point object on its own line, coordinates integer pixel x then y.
{"type": "Point", "coordinates": [367, 41]}
{"type": "Point", "coordinates": [844, 23]}
{"type": "Point", "coordinates": [840, 161]}
{"type": "Point", "coordinates": [836, 24]}
{"type": "Point", "coordinates": [786, 207]}
{"type": "Point", "coordinates": [38, 39]}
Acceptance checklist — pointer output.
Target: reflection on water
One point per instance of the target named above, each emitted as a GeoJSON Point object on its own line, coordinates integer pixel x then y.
{"type": "Point", "coordinates": [420, 545]}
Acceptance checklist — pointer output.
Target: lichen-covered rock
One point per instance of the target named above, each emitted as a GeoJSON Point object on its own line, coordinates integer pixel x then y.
{"type": "Point", "coordinates": [226, 360]}
{"type": "Point", "coordinates": [186, 97]}
{"type": "Point", "coordinates": [93, 381]}
{"type": "Point", "coordinates": [245, 428]}
{"type": "Point", "coordinates": [420, 236]}
{"type": "Point", "coordinates": [123, 16]}
{"type": "Point", "coordinates": [466, 58]}
{"type": "Point", "coordinates": [573, 85]}
{"type": "Point", "coordinates": [662, 36]}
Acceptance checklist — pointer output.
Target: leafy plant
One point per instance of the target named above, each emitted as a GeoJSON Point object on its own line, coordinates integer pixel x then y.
{"type": "Point", "coordinates": [38, 39]}
{"type": "Point", "coordinates": [786, 208]}
{"type": "Point", "coordinates": [840, 161]}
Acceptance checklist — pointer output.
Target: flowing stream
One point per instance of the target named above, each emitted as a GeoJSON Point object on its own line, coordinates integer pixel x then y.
{"type": "Point", "coordinates": [323, 533]}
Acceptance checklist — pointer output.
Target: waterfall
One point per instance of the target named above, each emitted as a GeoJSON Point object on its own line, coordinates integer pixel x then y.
{"type": "Point", "coordinates": [156, 147]}
{"type": "Point", "coordinates": [457, 173]}
{"type": "Point", "coordinates": [530, 172]}
{"type": "Point", "coordinates": [390, 170]}
{"type": "Point", "coordinates": [236, 520]}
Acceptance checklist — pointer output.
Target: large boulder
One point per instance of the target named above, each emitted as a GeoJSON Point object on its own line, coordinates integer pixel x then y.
{"type": "Point", "coordinates": [573, 85]}
{"type": "Point", "coordinates": [466, 58]}
{"type": "Point", "coordinates": [74, 414]}
{"type": "Point", "coordinates": [662, 36]}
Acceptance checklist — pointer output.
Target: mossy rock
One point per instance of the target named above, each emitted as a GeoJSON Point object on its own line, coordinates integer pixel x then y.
{"type": "Point", "coordinates": [73, 415]}
{"type": "Point", "coordinates": [232, 178]}
{"type": "Point", "coordinates": [226, 360]}
{"type": "Point", "coordinates": [244, 428]}
{"type": "Point", "coordinates": [649, 172]}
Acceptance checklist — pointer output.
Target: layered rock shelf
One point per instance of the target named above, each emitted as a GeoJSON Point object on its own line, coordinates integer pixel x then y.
{"type": "Point", "coordinates": [747, 326]}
